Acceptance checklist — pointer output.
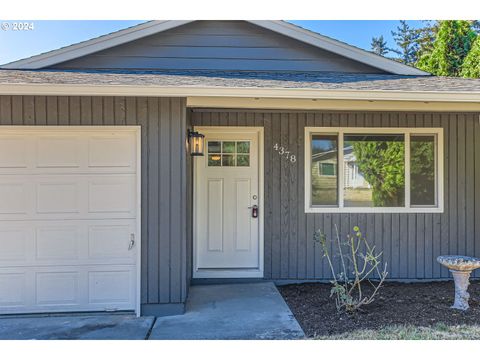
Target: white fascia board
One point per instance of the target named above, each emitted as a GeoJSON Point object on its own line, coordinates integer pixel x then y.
{"type": "Point", "coordinates": [290, 93]}
{"type": "Point", "coordinates": [338, 47]}
{"type": "Point", "coordinates": [90, 46]}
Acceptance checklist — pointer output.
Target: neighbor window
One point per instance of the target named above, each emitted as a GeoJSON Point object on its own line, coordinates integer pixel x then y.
{"type": "Point", "coordinates": [327, 169]}
{"type": "Point", "coordinates": [374, 170]}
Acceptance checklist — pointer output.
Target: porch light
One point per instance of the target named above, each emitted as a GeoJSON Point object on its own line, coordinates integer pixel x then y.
{"type": "Point", "coordinates": [195, 140]}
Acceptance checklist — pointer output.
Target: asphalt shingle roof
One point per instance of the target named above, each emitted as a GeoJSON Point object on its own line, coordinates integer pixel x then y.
{"type": "Point", "coordinates": [285, 80]}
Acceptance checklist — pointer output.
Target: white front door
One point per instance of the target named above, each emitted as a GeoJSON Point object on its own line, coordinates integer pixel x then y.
{"type": "Point", "coordinates": [228, 211]}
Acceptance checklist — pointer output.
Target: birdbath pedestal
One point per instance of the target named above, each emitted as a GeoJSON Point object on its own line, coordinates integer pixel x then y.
{"type": "Point", "coordinates": [460, 267]}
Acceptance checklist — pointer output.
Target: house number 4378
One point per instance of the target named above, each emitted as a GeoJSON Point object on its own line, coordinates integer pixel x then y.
{"type": "Point", "coordinates": [285, 153]}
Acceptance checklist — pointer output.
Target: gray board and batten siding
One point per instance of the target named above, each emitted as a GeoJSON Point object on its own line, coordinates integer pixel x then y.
{"type": "Point", "coordinates": [410, 242]}
{"type": "Point", "coordinates": [163, 200]}
{"type": "Point", "coordinates": [218, 45]}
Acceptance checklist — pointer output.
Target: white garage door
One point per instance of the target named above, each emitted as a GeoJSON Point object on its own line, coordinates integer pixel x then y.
{"type": "Point", "coordinates": [68, 219]}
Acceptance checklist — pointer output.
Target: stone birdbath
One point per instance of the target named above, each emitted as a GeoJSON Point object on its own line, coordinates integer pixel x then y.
{"type": "Point", "coordinates": [460, 267]}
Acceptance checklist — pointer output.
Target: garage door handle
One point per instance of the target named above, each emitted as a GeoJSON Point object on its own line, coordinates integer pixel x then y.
{"type": "Point", "coordinates": [132, 241]}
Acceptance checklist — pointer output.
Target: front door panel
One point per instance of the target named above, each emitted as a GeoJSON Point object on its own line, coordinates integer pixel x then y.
{"type": "Point", "coordinates": [227, 188]}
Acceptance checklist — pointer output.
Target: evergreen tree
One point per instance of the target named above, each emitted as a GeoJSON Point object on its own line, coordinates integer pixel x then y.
{"type": "Point", "coordinates": [379, 45]}
{"type": "Point", "coordinates": [476, 26]}
{"type": "Point", "coordinates": [406, 39]}
{"type": "Point", "coordinates": [471, 64]}
{"type": "Point", "coordinates": [426, 36]}
{"type": "Point", "coordinates": [382, 164]}
{"type": "Point", "coordinates": [452, 44]}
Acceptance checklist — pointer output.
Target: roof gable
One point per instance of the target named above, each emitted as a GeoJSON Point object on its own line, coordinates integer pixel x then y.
{"type": "Point", "coordinates": [215, 45]}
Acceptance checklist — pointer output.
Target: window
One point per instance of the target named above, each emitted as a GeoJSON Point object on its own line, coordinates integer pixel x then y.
{"type": "Point", "coordinates": [228, 153]}
{"type": "Point", "coordinates": [374, 170]}
{"type": "Point", "coordinates": [324, 190]}
{"type": "Point", "coordinates": [327, 169]}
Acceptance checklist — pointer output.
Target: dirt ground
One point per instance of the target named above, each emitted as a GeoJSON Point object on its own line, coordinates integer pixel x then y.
{"type": "Point", "coordinates": [418, 304]}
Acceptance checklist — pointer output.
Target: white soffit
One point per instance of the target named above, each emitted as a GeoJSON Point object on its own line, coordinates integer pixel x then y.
{"type": "Point", "coordinates": [245, 92]}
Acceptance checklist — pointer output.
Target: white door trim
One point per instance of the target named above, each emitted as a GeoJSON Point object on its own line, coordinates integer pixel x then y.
{"type": "Point", "coordinates": [131, 128]}
{"type": "Point", "coordinates": [229, 273]}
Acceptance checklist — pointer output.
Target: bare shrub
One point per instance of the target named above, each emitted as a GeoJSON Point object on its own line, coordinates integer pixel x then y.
{"type": "Point", "coordinates": [359, 263]}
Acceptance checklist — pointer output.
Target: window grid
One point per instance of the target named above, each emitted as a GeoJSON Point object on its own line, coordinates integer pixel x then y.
{"type": "Point", "coordinates": [224, 154]}
{"type": "Point", "coordinates": [340, 132]}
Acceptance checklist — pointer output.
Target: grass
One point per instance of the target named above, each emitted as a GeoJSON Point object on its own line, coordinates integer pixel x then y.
{"type": "Point", "coordinates": [408, 332]}
{"type": "Point", "coordinates": [353, 197]}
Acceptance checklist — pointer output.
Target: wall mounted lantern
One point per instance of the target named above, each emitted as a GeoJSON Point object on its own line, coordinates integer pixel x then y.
{"type": "Point", "coordinates": [196, 142]}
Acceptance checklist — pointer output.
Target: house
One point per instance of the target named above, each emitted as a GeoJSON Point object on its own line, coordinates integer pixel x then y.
{"type": "Point", "coordinates": [353, 176]}
{"type": "Point", "coordinates": [104, 207]}
{"type": "Point", "coordinates": [324, 175]}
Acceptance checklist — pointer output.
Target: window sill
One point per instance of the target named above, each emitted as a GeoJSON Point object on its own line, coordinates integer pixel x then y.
{"type": "Point", "coordinates": [378, 210]}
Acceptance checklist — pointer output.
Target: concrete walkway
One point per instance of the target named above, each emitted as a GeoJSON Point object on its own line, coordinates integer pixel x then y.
{"type": "Point", "coordinates": [82, 327]}
{"type": "Point", "coordinates": [240, 311]}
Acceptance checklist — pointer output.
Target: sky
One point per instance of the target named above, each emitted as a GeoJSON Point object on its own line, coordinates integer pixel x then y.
{"type": "Point", "coordinates": [50, 35]}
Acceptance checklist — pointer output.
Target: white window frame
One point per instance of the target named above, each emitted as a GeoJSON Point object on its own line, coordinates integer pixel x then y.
{"type": "Point", "coordinates": [407, 132]}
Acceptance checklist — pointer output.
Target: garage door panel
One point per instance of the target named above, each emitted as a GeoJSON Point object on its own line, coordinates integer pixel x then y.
{"type": "Point", "coordinates": [68, 211]}
{"type": "Point", "coordinates": [57, 243]}
{"type": "Point", "coordinates": [14, 245]}
{"type": "Point", "coordinates": [111, 151]}
{"type": "Point", "coordinates": [110, 242]}
{"type": "Point", "coordinates": [112, 195]}
{"type": "Point", "coordinates": [58, 197]}
{"type": "Point", "coordinates": [68, 288]}
{"type": "Point", "coordinates": [57, 288]}
{"type": "Point", "coordinates": [37, 197]}
{"type": "Point", "coordinates": [67, 242]}
{"type": "Point", "coordinates": [13, 152]}
{"type": "Point", "coordinates": [58, 152]}
{"type": "Point", "coordinates": [82, 152]}
{"type": "Point", "coordinates": [13, 289]}
{"type": "Point", "coordinates": [13, 197]}
{"type": "Point", "coordinates": [111, 287]}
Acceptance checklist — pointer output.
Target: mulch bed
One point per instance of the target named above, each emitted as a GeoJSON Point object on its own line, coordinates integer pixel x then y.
{"type": "Point", "coordinates": [417, 304]}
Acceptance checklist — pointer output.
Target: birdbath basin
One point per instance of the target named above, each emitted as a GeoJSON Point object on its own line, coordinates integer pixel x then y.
{"type": "Point", "coordinates": [460, 267]}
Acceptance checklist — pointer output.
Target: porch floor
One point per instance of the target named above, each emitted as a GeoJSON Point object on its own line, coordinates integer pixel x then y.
{"type": "Point", "coordinates": [252, 311]}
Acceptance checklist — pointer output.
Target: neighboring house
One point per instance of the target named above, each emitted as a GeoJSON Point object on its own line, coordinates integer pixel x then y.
{"type": "Point", "coordinates": [324, 168]}
{"type": "Point", "coordinates": [324, 182]}
{"type": "Point", "coordinates": [102, 207]}
{"type": "Point", "coordinates": [353, 176]}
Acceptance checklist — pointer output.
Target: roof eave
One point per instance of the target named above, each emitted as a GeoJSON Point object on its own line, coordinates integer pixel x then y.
{"type": "Point", "coordinates": [286, 93]}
